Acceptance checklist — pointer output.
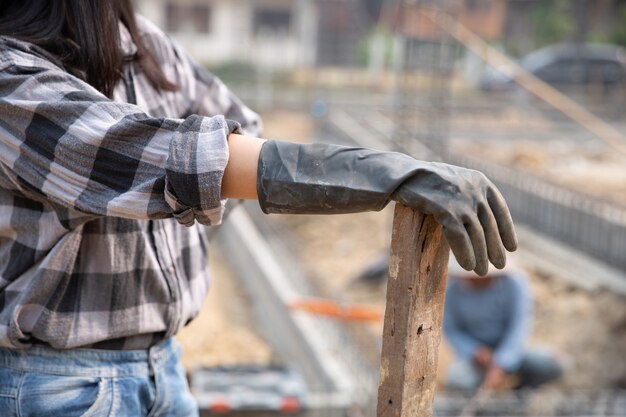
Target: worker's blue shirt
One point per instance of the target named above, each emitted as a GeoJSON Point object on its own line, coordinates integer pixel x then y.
{"type": "Point", "coordinates": [497, 316]}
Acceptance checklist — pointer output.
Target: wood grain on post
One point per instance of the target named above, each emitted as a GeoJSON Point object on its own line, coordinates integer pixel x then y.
{"type": "Point", "coordinates": [413, 316]}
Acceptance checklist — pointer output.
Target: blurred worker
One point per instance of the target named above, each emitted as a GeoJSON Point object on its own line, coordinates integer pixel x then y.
{"type": "Point", "coordinates": [487, 321]}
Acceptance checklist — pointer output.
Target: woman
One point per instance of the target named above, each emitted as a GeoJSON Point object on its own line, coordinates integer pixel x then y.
{"type": "Point", "coordinates": [114, 147]}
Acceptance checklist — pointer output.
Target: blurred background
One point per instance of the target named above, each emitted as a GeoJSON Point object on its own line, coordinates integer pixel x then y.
{"type": "Point", "coordinates": [531, 92]}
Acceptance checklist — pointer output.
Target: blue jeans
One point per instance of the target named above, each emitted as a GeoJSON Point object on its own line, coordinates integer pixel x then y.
{"type": "Point", "coordinates": [538, 366]}
{"type": "Point", "coordinates": [96, 383]}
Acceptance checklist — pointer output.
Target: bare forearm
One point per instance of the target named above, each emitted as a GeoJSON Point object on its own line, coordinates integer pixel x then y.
{"type": "Point", "coordinates": [240, 175]}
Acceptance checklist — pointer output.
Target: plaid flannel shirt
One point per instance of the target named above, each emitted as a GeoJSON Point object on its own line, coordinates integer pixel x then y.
{"type": "Point", "coordinates": [101, 200]}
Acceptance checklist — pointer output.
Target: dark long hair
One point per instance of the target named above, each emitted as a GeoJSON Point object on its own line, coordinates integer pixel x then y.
{"type": "Point", "coordinates": [84, 35]}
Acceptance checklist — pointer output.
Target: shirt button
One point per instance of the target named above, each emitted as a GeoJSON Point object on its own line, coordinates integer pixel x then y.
{"type": "Point", "coordinates": [170, 269]}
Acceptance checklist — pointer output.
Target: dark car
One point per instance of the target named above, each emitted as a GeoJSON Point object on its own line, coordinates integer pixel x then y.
{"type": "Point", "coordinates": [566, 65]}
{"type": "Point", "coordinates": [274, 389]}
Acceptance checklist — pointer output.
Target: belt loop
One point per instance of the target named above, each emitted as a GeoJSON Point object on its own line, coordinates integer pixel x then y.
{"type": "Point", "coordinates": [153, 359]}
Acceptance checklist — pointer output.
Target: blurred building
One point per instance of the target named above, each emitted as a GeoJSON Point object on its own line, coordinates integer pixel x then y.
{"type": "Point", "coordinates": [486, 18]}
{"type": "Point", "coordinates": [422, 39]}
{"type": "Point", "coordinates": [269, 33]}
{"type": "Point", "coordinates": [283, 34]}
{"type": "Point", "coordinates": [274, 33]}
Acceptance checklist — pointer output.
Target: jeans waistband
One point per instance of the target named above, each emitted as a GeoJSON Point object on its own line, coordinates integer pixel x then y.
{"type": "Point", "coordinates": [90, 362]}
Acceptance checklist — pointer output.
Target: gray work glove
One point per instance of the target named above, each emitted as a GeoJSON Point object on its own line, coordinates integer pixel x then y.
{"type": "Point", "coordinates": [327, 179]}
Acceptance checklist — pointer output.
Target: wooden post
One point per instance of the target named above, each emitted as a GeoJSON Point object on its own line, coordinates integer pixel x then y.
{"type": "Point", "coordinates": [413, 317]}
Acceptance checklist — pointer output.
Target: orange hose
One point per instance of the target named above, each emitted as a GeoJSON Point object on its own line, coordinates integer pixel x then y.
{"type": "Point", "coordinates": [337, 310]}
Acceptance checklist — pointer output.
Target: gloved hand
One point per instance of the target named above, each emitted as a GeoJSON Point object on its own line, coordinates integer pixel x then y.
{"type": "Point", "coordinates": [326, 179]}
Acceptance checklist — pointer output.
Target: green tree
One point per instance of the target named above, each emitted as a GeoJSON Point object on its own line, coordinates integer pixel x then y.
{"type": "Point", "coordinates": [619, 34]}
{"type": "Point", "coordinates": [553, 21]}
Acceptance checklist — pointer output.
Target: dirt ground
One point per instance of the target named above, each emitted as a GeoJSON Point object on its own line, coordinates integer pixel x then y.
{"type": "Point", "coordinates": [224, 331]}
{"type": "Point", "coordinates": [588, 330]}
{"type": "Point", "coordinates": [557, 150]}
{"type": "Point", "coordinates": [598, 174]}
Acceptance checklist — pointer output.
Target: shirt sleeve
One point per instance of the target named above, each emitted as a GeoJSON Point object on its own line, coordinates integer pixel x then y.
{"type": "Point", "coordinates": [463, 344]}
{"type": "Point", "coordinates": [509, 352]}
{"type": "Point", "coordinates": [210, 95]}
{"type": "Point", "coordinates": [200, 91]}
{"type": "Point", "coordinates": [66, 143]}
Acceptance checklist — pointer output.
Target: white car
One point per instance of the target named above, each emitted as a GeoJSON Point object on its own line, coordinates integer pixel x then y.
{"type": "Point", "coordinates": [566, 65]}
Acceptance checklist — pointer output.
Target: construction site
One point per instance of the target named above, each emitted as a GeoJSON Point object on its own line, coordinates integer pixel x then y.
{"type": "Point", "coordinates": [299, 300]}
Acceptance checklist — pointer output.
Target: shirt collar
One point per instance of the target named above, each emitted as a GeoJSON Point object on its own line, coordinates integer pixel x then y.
{"type": "Point", "coordinates": [129, 49]}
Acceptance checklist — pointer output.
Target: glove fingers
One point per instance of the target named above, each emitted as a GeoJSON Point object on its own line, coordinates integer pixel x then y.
{"type": "Point", "coordinates": [477, 236]}
{"type": "Point", "coordinates": [495, 249]}
{"type": "Point", "coordinates": [461, 246]}
{"type": "Point", "coordinates": [503, 218]}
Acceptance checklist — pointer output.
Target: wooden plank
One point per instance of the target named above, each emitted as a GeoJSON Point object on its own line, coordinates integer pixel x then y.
{"type": "Point", "coordinates": [413, 317]}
